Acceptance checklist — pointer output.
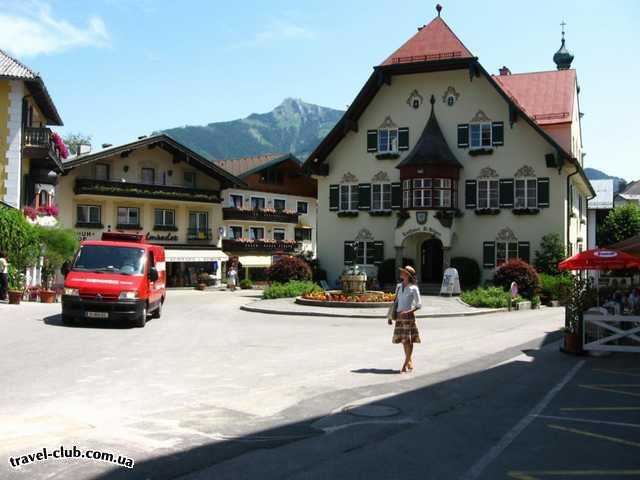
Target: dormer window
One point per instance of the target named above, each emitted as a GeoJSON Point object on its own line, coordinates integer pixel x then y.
{"type": "Point", "coordinates": [480, 134]}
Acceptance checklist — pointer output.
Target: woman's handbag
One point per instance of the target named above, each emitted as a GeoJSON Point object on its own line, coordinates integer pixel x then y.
{"type": "Point", "coordinates": [392, 314]}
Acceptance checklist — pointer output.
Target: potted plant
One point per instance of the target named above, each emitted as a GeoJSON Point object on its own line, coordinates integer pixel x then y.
{"type": "Point", "coordinates": [58, 246]}
{"type": "Point", "coordinates": [203, 281]}
{"type": "Point", "coordinates": [47, 294]}
{"type": "Point", "coordinates": [579, 299]}
{"type": "Point", "coordinates": [16, 285]}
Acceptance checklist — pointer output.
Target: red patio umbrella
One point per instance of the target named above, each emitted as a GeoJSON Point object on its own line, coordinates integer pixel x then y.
{"type": "Point", "coordinates": [600, 259]}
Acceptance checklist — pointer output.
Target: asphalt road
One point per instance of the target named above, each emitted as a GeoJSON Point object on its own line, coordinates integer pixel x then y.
{"type": "Point", "coordinates": [209, 391]}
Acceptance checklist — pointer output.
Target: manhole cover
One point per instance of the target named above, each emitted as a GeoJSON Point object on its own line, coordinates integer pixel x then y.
{"type": "Point", "coordinates": [371, 410]}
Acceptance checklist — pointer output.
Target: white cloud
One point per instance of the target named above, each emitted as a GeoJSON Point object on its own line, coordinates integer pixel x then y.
{"type": "Point", "coordinates": [33, 30]}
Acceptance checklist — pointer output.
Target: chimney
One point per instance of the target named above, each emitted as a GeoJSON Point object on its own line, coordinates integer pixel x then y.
{"type": "Point", "coordinates": [142, 137]}
{"type": "Point", "coordinates": [84, 148]}
{"type": "Point", "coordinates": [107, 145]}
{"type": "Point", "coordinates": [504, 71]}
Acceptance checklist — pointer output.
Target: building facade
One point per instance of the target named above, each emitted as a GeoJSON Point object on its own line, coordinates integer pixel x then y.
{"type": "Point", "coordinates": [436, 158]}
{"type": "Point", "coordinates": [157, 187]}
{"type": "Point", "coordinates": [610, 193]}
{"type": "Point", "coordinates": [30, 152]}
{"type": "Point", "coordinates": [274, 215]}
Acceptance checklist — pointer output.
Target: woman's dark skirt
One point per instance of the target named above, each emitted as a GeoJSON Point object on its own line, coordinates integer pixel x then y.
{"type": "Point", "coordinates": [406, 331]}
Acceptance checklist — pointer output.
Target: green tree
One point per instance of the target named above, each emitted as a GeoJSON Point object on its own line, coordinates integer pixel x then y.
{"type": "Point", "coordinates": [58, 245]}
{"type": "Point", "coordinates": [74, 140]}
{"type": "Point", "coordinates": [621, 223]}
{"type": "Point", "coordinates": [18, 239]}
{"type": "Point", "coordinates": [551, 252]}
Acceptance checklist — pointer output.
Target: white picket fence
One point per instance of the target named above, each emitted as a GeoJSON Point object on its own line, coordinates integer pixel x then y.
{"type": "Point", "coordinates": [611, 333]}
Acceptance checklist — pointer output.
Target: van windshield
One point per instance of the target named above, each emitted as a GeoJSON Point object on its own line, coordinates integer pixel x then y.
{"type": "Point", "coordinates": [108, 259]}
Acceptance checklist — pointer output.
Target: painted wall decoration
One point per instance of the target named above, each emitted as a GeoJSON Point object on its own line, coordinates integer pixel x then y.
{"type": "Point", "coordinates": [415, 100]}
{"type": "Point", "coordinates": [488, 172]}
{"type": "Point", "coordinates": [480, 117]}
{"type": "Point", "coordinates": [388, 123]}
{"type": "Point", "coordinates": [450, 96]}
{"type": "Point", "coordinates": [364, 235]}
{"type": "Point", "coordinates": [525, 171]}
{"type": "Point", "coordinates": [506, 235]}
{"type": "Point", "coordinates": [380, 177]}
{"type": "Point", "coordinates": [349, 178]}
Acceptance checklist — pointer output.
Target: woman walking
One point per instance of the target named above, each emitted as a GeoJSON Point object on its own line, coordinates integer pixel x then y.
{"type": "Point", "coordinates": [4, 276]}
{"type": "Point", "coordinates": [407, 302]}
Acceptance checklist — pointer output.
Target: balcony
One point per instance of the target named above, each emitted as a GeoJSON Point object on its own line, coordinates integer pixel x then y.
{"type": "Point", "coordinates": [199, 235]}
{"type": "Point", "coordinates": [271, 246]}
{"type": "Point", "coordinates": [89, 186]}
{"type": "Point", "coordinates": [37, 143]}
{"type": "Point", "coordinates": [260, 215]}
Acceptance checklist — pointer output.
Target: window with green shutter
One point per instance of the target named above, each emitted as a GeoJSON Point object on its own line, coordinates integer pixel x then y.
{"type": "Point", "coordinates": [334, 197]}
{"type": "Point", "coordinates": [489, 254]}
{"type": "Point", "coordinates": [378, 256]}
{"type": "Point", "coordinates": [349, 252]}
{"type": "Point", "coordinates": [524, 251]}
{"type": "Point", "coordinates": [506, 193]}
{"type": "Point", "coordinates": [497, 133]}
{"type": "Point", "coordinates": [372, 140]}
{"type": "Point", "coordinates": [364, 196]}
{"type": "Point", "coordinates": [470, 193]}
{"type": "Point", "coordinates": [403, 139]}
{"type": "Point", "coordinates": [396, 195]}
{"type": "Point", "coordinates": [543, 192]}
{"type": "Point", "coordinates": [463, 135]}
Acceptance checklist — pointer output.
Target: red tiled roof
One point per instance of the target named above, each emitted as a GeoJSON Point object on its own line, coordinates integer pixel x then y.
{"type": "Point", "coordinates": [238, 166]}
{"type": "Point", "coordinates": [547, 97]}
{"type": "Point", "coordinates": [435, 41]}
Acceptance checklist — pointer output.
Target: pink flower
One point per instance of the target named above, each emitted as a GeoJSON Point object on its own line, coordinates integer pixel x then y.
{"type": "Point", "coordinates": [62, 149]}
{"type": "Point", "coordinates": [30, 212]}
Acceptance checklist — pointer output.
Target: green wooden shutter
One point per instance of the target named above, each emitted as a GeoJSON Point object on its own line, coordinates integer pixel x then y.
{"type": "Point", "coordinates": [524, 251]}
{"type": "Point", "coordinates": [378, 247]}
{"type": "Point", "coordinates": [463, 135]}
{"type": "Point", "coordinates": [364, 196]}
{"type": "Point", "coordinates": [372, 140]}
{"type": "Point", "coordinates": [543, 192]}
{"type": "Point", "coordinates": [403, 139]}
{"type": "Point", "coordinates": [497, 133]}
{"type": "Point", "coordinates": [349, 253]}
{"type": "Point", "coordinates": [506, 193]}
{"type": "Point", "coordinates": [396, 195]}
{"type": "Point", "coordinates": [489, 254]}
{"type": "Point", "coordinates": [334, 197]}
{"type": "Point", "coordinates": [470, 194]}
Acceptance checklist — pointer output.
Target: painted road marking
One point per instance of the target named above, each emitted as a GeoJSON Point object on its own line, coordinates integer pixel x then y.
{"type": "Point", "coordinates": [606, 370]}
{"type": "Point", "coordinates": [534, 475]}
{"type": "Point", "coordinates": [601, 409]}
{"type": "Point", "coordinates": [613, 388]}
{"type": "Point", "coordinates": [621, 441]}
{"type": "Point", "coordinates": [494, 452]}
{"type": "Point", "coordinates": [588, 420]}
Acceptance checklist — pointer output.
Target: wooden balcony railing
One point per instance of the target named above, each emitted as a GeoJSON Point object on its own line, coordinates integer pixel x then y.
{"type": "Point", "coordinates": [260, 215]}
{"type": "Point", "coordinates": [144, 190]}
{"type": "Point", "coordinates": [37, 143]}
{"type": "Point", "coordinates": [270, 246]}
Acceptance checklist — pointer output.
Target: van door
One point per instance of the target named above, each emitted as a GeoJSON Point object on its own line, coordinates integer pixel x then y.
{"type": "Point", "coordinates": [155, 288]}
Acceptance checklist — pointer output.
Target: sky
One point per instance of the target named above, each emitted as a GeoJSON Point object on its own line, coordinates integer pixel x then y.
{"type": "Point", "coordinates": [117, 69]}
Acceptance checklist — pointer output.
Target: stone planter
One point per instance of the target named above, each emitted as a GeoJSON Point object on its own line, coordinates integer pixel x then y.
{"type": "Point", "coordinates": [555, 303]}
{"type": "Point", "coordinates": [526, 305]}
{"type": "Point", "coordinates": [15, 296]}
{"type": "Point", "coordinates": [354, 283]}
{"type": "Point", "coordinates": [47, 296]}
{"type": "Point", "coordinates": [571, 343]}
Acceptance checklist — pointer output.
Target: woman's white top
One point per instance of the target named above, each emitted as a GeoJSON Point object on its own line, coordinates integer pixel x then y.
{"type": "Point", "coordinates": [408, 297]}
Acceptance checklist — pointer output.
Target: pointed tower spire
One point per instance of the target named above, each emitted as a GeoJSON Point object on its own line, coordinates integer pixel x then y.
{"type": "Point", "coordinates": [563, 57]}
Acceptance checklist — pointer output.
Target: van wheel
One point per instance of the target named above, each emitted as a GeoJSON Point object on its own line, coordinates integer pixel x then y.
{"type": "Point", "coordinates": [157, 313]}
{"type": "Point", "coordinates": [142, 319]}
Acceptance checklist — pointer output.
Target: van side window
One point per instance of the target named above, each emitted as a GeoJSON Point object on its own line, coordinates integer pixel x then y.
{"type": "Point", "coordinates": [152, 262]}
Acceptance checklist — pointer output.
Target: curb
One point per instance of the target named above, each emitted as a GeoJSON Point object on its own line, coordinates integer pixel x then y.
{"type": "Point", "coordinates": [250, 308]}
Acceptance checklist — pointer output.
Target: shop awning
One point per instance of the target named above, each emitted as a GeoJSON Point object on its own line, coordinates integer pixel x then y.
{"type": "Point", "coordinates": [255, 260]}
{"type": "Point", "coordinates": [172, 255]}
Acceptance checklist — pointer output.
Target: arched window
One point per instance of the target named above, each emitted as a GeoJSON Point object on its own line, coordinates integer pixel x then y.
{"type": "Point", "coordinates": [43, 198]}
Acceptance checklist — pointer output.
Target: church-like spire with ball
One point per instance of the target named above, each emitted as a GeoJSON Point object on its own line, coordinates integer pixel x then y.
{"type": "Point", "coordinates": [563, 57]}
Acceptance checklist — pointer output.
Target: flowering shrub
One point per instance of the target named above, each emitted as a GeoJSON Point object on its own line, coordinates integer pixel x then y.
{"type": "Point", "coordinates": [491, 297]}
{"type": "Point", "coordinates": [369, 297]}
{"type": "Point", "coordinates": [286, 269]}
{"type": "Point", "coordinates": [49, 211]}
{"type": "Point", "coordinates": [30, 212]}
{"type": "Point", "coordinates": [262, 241]}
{"type": "Point", "coordinates": [62, 149]}
{"type": "Point", "coordinates": [520, 272]}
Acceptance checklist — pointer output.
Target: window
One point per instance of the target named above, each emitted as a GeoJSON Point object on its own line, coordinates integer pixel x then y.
{"type": "Point", "coordinates": [303, 208]}
{"type": "Point", "coordinates": [148, 176]}
{"type": "Point", "coordinates": [129, 216]}
{"type": "Point", "coordinates": [190, 179]}
{"type": "Point", "coordinates": [506, 251]}
{"type": "Point", "coordinates": [256, 233]}
{"type": "Point", "coordinates": [406, 193]}
{"type": "Point", "coordinates": [257, 203]}
{"type": "Point", "coordinates": [235, 232]}
{"type": "Point", "coordinates": [279, 204]}
{"type": "Point", "coordinates": [101, 171]}
{"type": "Point", "coordinates": [164, 217]}
{"type": "Point", "coordinates": [272, 176]}
{"type": "Point", "coordinates": [429, 193]}
{"type": "Point", "coordinates": [488, 194]}
{"type": "Point", "coordinates": [366, 253]}
{"type": "Point", "coordinates": [526, 193]}
{"type": "Point", "coordinates": [480, 134]}
{"type": "Point", "coordinates": [348, 197]}
{"type": "Point", "coordinates": [381, 196]}
{"type": "Point", "coordinates": [388, 140]}
{"type": "Point", "coordinates": [44, 199]}
{"type": "Point", "coordinates": [278, 234]}
{"type": "Point", "coordinates": [88, 214]}
{"type": "Point", "coordinates": [235, 201]}
{"type": "Point", "coordinates": [198, 221]}
{"type": "Point", "coordinates": [302, 234]}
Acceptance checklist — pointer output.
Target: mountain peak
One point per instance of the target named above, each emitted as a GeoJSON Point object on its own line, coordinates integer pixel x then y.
{"type": "Point", "coordinates": [293, 126]}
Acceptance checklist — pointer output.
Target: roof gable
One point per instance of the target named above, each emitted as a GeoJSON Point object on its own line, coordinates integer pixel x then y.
{"type": "Point", "coordinates": [435, 41]}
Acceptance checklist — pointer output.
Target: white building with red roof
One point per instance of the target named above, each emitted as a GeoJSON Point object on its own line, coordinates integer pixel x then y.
{"type": "Point", "coordinates": [436, 159]}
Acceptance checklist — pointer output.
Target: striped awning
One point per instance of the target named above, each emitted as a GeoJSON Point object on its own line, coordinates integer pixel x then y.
{"type": "Point", "coordinates": [174, 255]}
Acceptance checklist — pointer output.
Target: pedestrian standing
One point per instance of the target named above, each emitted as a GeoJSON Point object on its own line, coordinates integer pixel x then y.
{"type": "Point", "coordinates": [4, 276]}
{"type": "Point", "coordinates": [407, 301]}
{"type": "Point", "coordinates": [232, 277]}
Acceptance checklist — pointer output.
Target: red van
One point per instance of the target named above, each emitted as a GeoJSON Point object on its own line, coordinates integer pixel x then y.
{"type": "Point", "coordinates": [120, 277]}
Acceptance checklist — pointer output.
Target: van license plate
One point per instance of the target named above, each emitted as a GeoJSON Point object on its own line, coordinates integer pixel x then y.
{"type": "Point", "coordinates": [97, 314]}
